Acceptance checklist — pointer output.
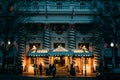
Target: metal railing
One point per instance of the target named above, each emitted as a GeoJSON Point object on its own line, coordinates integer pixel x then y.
{"type": "Point", "coordinates": [54, 7]}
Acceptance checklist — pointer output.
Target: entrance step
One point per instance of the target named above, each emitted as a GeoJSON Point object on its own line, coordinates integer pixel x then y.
{"type": "Point", "coordinates": [61, 71]}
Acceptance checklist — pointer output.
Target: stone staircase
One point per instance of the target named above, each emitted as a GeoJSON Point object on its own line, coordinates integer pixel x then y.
{"type": "Point", "coordinates": [61, 71]}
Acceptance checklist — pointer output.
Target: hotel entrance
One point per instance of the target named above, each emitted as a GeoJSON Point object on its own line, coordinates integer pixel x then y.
{"type": "Point", "coordinates": [62, 58]}
{"type": "Point", "coordinates": [59, 61]}
{"type": "Point", "coordinates": [82, 61]}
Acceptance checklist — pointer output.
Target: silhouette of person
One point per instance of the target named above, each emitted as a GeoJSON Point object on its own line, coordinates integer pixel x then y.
{"type": "Point", "coordinates": [53, 71]}
{"type": "Point", "coordinates": [40, 68]}
{"type": "Point", "coordinates": [35, 69]}
{"type": "Point", "coordinates": [50, 68]}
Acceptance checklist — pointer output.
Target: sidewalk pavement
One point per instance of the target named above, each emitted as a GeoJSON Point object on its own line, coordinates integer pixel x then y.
{"type": "Point", "coordinates": [44, 75]}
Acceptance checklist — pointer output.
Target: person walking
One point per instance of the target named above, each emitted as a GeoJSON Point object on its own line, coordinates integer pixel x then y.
{"type": "Point", "coordinates": [50, 68]}
{"type": "Point", "coordinates": [35, 69]}
{"type": "Point", "coordinates": [54, 71]}
{"type": "Point", "coordinates": [40, 68]}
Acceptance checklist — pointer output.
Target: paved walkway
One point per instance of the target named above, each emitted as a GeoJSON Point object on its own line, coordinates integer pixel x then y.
{"type": "Point", "coordinates": [64, 75]}
{"type": "Point", "coordinates": [61, 72]}
{"type": "Point", "coordinates": [21, 77]}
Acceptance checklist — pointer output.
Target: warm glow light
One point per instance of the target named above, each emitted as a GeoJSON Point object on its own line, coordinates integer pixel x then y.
{"type": "Point", "coordinates": [87, 69]}
{"type": "Point", "coordinates": [23, 64]}
{"type": "Point", "coordinates": [11, 8]}
{"type": "Point", "coordinates": [9, 42]}
{"type": "Point", "coordinates": [34, 47]}
{"type": "Point", "coordinates": [84, 47]}
{"type": "Point", "coordinates": [112, 44]}
{"type": "Point", "coordinates": [42, 63]}
{"type": "Point", "coordinates": [79, 51]}
{"type": "Point", "coordinates": [31, 69]}
{"type": "Point", "coordinates": [42, 51]}
{"type": "Point", "coordinates": [94, 65]}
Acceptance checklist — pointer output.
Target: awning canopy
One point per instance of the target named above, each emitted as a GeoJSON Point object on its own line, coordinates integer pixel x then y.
{"type": "Point", "coordinates": [84, 54]}
{"type": "Point", "coordinates": [38, 53]}
{"type": "Point", "coordinates": [60, 51]}
{"type": "Point", "coordinates": [60, 54]}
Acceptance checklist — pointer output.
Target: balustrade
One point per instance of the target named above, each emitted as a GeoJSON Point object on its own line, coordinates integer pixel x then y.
{"type": "Point", "coordinates": [54, 7]}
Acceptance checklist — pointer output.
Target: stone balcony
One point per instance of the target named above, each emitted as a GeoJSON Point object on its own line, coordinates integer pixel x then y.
{"type": "Point", "coordinates": [53, 8]}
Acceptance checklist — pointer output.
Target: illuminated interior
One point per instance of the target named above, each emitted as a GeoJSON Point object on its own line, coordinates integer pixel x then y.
{"type": "Point", "coordinates": [79, 62]}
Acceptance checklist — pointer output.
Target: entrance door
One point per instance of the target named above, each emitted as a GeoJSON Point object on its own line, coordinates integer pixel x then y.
{"type": "Point", "coordinates": [59, 61]}
{"type": "Point", "coordinates": [62, 61]}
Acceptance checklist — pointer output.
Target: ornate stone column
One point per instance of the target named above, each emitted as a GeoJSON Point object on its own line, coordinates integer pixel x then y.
{"type": "Point", "coordinates": [66, 60]}
{"type": "Point", "coordinates": [49, 59]}
{"type": "Point", "coordinates": [46, 43]}
{"type": "Point", "coordinates": [52, 60]}
{"type": "Point", "coordinates": [92, 66]}
{"type": "Point", "coordinates": [71, 44]}
{"type": "Point", "coordinates": [70, 59]}
{"type": "Point", "coordinates": [81, 65]}
{"type": "Point", "coordinates": [21, 49]}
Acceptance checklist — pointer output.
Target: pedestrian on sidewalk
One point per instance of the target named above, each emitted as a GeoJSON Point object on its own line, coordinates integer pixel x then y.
{"type": "Point", "coordinates": [50, 68]}
{"type": "Point", "coordinates": [35, 69]}
{"type": "Point", "coordinates": [40, 68]}
{"type": "Point", "coordinates": [54, 70]}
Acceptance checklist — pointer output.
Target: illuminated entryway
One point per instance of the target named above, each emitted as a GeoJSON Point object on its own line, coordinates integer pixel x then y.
{"type": "Point", "coordinates": [83, 61]}
{"type": "Point", "coordinates": [84, 65]}
{"type": "Point", "coordinates": [59, 61]}
{"type": "Point", "coordinates": [61, 57]}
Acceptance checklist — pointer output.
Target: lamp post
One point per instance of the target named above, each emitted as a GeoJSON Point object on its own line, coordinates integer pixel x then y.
{"type": "Point", "coordinates": [113, 57]}
{"type": "Point", "coordinates": [112, 44]}
{"type": "Point", "coordinates": [5, 50]}
{"type": "Point", "coordinates": [9, 42]}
